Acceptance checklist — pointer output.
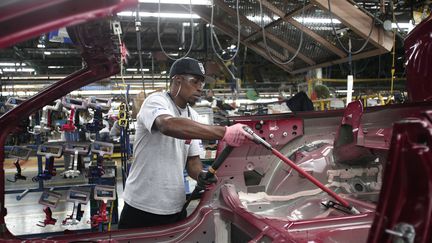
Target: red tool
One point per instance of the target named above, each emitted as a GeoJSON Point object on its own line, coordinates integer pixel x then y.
{"type": "Point", "coordinates": [101, 217]}
{"type": "Point", "coordinates": [48, 218]}
{"type": "Point", "coordinates": [312, 179]}
{"type": "Point", "coordinates": [69, 126]}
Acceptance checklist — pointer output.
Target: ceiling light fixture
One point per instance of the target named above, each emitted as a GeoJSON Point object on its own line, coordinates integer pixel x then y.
{"type": "Point", "coordinates": [162, 15]}
{"type": "Point", "coordinates": [317, 20]}
{"type": "Point", "coordinates": [232, 47]}
{"type": "Point", "coordinates": [54, 67]}
{"type": "Point", "coordinates": [194, 2]}
{"type": "Point", "coordinates": [16, 70]}
{"type": "Point", "coordinates": [136, 69]}
{"type": "Point", "coordinates": [187, 24]}
{"type": "Point", "coordinates": [12, 64]}
{"type": "Point", "coordinates": [47, 53]}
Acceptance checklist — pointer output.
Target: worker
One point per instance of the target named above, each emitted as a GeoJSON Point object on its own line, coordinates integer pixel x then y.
{"type": "Point", "coordinates": [168, 140]}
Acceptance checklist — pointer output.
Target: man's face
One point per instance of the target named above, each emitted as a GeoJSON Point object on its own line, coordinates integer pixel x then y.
{"type": "Point", "coordinates": [192, 86]}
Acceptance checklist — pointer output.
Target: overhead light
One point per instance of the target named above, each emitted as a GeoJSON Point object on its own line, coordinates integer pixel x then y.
{"type": "Point", "coordinates": [344, 91]}
{"type": "Point", "coordinates": [12, 64]}
{"type": "Point", "coordinates": [194, 2]}
{"type": "Point", "coordinates": [16, 70]}
{"type": "Point", "coordinates": [316, 20]}
{"type": "Point", "coordinates": [18, 93]}
{"type": "Point", "coordinates": [40, 46]}
{"type": "Point", "coordinates": [35, 77]}
{"type": "Point", "coordinates": [232, 47]}
{"type": "Point", "coordinates": [188, 24]}
{"type": "Point", "coordinates": [25, 86]}
{"type": "Point", "coordinates": [162, 15]}
{"type": "Point", "coordinates": [163, 72]}
{"type": "Point", "coordinates": [54, 67]}
{"type": "Point", "coordinates": [257, 19]}
{"type": "Point", "coordinates": [47, 53]}
{"type": "Point", "coordinates": [136, 69]}
{"type": "Point", "coordinates": [173, 54]}
{"type": "Point", "coordinates": [408, 25]}
{"type": "Point", "coordinates": [106, 92]}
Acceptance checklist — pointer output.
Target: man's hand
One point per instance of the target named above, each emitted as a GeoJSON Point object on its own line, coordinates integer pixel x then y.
{"type": "Point", "coordinates": [204, 179]}
{"type": "Point", "coordinates": [235, 135]}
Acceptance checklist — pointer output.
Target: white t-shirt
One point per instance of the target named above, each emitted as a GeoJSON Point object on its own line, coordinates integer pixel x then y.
{"type": "Point", "coordinates": [155, 183]}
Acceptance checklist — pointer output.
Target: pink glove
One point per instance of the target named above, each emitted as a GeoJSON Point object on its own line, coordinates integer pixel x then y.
{"type": "Point", "coordinates": [235, 135]}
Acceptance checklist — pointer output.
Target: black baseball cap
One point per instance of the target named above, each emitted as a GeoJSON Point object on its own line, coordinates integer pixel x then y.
{"type": "Point", "coordinates": [189, 65]}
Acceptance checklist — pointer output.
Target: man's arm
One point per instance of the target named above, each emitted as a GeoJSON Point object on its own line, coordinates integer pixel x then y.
{"type": "Point", "coordinates": [194, 166]}
{"type": "Point", "coordinates": [184, 128]}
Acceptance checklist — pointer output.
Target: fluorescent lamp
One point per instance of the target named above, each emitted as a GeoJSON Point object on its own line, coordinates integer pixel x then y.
{"type": "Point", "coordinates": [162, 15]}
{"type": "Point", "coordinates": [136, 69]}
{"type": "Point", "coordinates": [408, 25]}
{"type": "Point", "coordinates": [19, 93]}
{"type": "Point", "coordinates": [35, 77]}
{"type": "Point", "coordinates": [317, 20]}
{"type": "Point", "coordinates": [163, 72]}
{"type": "Point", "coordinates": [25, 86]}
{"type": "Point", "coordinates": [257, 19]}
{"type": "Point", "coordinates": [343, 91]}
{"type": "Point", "coordinates": [40, 46]}
{"type": "Point", "coordinates": [47, 53]}
{"type": "Point", "coordinates": [186, 24]}
{"type": "Point", "coordinates": [173, 54]}
{"type": "Point", "coordinates": [194, 2]}
{"type": "Point", "coordinates": [232, 47]}
{"type": "Point", "coordinates": [15, 70]}
{"type": "Point", "coordinates": [105, 92]}
{"type": "Point", "coordinates": [11, 64]}
{"type": "Point", "coordinates": [54, 67]}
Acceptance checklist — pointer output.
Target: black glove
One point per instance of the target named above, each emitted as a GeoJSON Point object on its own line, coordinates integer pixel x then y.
{"type": "Point", "coordinates": [204, 179]}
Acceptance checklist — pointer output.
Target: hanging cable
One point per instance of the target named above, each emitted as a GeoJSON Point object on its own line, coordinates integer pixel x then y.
{"type": "Point", "coordinates": [377, 20]}
{"type": "Point", "coordinates": [138, 36]}
{"type": "Point", "coordinates": [394, 18]}
{"type": "Point", "coordinates": [393, 68]}
{"type": "Point", "coordinates": [122, 52]}
{"type": "Point", "coordinates": [192, 32]}
{"type": "Point", "coordinates": [213, 34]}
{"type": "Point", "coordinates": [337, 37]}
{"type": "Point", "coordinates": [265, 39]}
{"type": "Point", "coordinates": [350, 57]}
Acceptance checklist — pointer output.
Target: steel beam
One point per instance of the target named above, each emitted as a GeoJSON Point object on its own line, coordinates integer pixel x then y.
{"type": "Point", "coordinates": [358, 21]}
{"type": "Point", "coordinates": [289, 18]}
{"type": "Point", "coordinates": [269, 35]}
{"type": "Point", "coordinates": [342, 60]}
{"type": "Point", "coordinates": [233, 33]}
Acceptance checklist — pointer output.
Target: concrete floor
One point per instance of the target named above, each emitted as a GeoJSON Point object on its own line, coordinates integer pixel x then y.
{"type": "Point", "coordinates": [24, 215]}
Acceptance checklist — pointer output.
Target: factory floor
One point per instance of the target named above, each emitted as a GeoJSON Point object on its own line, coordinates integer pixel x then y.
{"type": "Point", "coordinates": [24, 215]}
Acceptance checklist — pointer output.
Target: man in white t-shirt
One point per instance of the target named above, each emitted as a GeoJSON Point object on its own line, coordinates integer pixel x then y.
{"type": "Point", "coordinates": [168, 140]}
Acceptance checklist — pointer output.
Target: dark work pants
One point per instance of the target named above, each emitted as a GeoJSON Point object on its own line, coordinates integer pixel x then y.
{"type": "Point", "coordinates": [135, 218]}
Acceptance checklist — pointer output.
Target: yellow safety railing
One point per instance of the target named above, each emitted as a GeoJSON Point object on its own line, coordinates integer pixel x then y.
{"type": "Point", "coordinates": [325, 104]}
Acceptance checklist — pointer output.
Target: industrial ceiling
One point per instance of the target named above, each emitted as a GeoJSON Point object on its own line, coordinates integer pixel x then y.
{"type": "Point", "coordinates": [299, 36]}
